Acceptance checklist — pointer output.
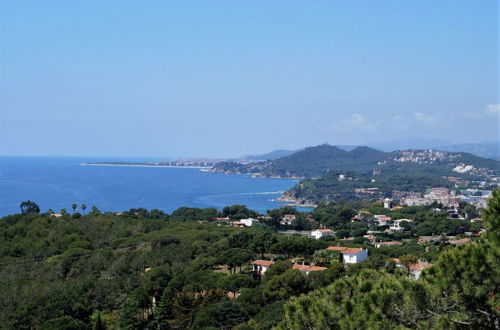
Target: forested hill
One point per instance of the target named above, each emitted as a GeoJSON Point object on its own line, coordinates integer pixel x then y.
{"type": "Point", "coordinates": [315, 161]}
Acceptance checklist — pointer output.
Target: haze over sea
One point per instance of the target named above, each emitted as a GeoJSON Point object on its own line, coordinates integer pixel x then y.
{"type": "Point", "coordinates": [56, 183]}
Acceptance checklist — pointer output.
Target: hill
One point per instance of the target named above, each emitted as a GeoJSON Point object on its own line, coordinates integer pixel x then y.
{"type": "Point", "coordinates": [313, 162]}
{"type": "Point", "coordinates": [310, 162]}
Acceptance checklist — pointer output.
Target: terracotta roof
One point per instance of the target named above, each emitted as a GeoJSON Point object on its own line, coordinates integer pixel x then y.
{"type": "Point", "coordinates": [345, 250]}
{"type": "Point", "coordinates": [336, 248]}
{"type": "Point", "coordinates": [420, 265]}
{"type": "Point", "coordinates": [308, 268]}
{"type": "Point", "coordinates": [352, 251]}
{"type": "Point", "coordinates": [391, 243]}
{"type": "Point", "coordinates": [266, 263]}
{"type": "Point", "coordinates": [460, 241]}
{"type": "Point", "coordinates": [324, 230]}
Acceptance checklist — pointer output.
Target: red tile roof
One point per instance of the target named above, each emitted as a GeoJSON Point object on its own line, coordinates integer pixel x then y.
{"type": "Point", "coordinates": [325, 230]}
{"type": "Point", "coordinates": [420, 265]}
{"type": "Point", "coordinates": [345, 250]}
{"type": "Point", "coordinates": [265, 263]}
{"type": "Point", "coordinates": [460, 241]}
{"type": "Point", "coordinates": [308, 268]}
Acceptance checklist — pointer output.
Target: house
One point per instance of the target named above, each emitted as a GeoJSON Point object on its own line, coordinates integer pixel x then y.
{"type": "Point", "coordinates": [318, 233]}
{"type": "Point", "coordinates": [261, 266]}
{"type": "Point", "coordinates": [428, 239]}
{"type": "Point", "coordinates": [350, 255]}
{"type": "Point", "coordinates": [248, 222]}
{"type": "Point", "coordinates": [382, 219]}
{"type": "Point", "coordinates": [416, 269]}
{"type": "Point", "coordinates": [307, 269]}
{"type": "Point", "coordinates": [387, 203]}
{"type": "Point", "coordinates": [390, 243]}
{"type": "Point", "coordinates": [396, 226]}
{"type": "Point", "coordinates": [459, 241]}
{"type": "Point", "coordinates": [287, 219]}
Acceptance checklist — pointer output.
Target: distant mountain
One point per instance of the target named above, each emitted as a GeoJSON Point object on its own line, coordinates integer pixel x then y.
{"type": "Point", "coordinates": [315, 161]}
{"type": "Point", "coordinates": [275, 154]}
{"type": "Point", "coordinates": [487, 149]}
{"type": "Point", "coordinates": [310, 162]}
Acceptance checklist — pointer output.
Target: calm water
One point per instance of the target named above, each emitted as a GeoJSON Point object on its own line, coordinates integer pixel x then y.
{"type": "Point", "coordinates": [58, 182]}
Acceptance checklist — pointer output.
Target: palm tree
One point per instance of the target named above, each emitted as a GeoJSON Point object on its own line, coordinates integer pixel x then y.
{"type": "Point", "coordinates": [50, 212]}
{"type": "Point", "coordinates": [83, 207]}
{"type": "Point", "coordinates": [74, 206]}
{"type": "Point", "coordinates": [63, 211]}
{"type": "Point", "coordinates": [95, 210]}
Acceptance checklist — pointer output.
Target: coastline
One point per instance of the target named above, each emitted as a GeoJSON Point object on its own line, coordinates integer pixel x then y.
{"type": "Point", "coordinates": [143, 165]}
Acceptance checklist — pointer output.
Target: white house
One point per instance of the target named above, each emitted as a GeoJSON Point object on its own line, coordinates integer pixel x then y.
{"type": "Point", "coordinates": [248, 222]}
{"type": "Point", "coordinates": [396, 226]}
{"type": "Point", "coordinates": [287, 219]}
{"type": "Point", "coordinates": [387, 203]}
{"type": "Point", "coordinates": [416, 269]}
{"type": "Point", "coordinates": [350, 255]}
{"type": "Point", "coordinates": [261, 266]}
{"type": "Point", "coordinates": [382, 219]}
{"type": "Point", "coordinates": [318, 233]}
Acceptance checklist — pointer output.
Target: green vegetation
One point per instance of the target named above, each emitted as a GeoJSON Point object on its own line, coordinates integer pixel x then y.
{"type": "Point", "coordinates": [148, 269]}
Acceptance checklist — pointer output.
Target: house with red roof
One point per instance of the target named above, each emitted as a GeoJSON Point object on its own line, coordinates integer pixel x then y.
{"type": "Point", "coordinates": [261, 266]}
{"type": "Point", "coordinates": [350, 255]}
{"type": "Point", "coordinates": [306, 269]}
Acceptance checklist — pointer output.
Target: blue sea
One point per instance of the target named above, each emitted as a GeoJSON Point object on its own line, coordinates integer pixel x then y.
{"type": "Point", "coordinates": [56, 183]}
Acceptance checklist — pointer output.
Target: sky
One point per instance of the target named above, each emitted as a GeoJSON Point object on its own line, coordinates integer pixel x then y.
{"type": "Point", "coordinates": [230, 78]}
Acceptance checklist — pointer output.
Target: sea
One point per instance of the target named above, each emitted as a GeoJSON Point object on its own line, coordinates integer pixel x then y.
{"type": "Point", "coordinates": [56, 183]}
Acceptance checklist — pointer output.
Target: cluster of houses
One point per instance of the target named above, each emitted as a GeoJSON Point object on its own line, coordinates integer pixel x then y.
{"type": "Point", "coordinates": [348, 256]}
{"type": "Point", "coordinates": [442, 195]}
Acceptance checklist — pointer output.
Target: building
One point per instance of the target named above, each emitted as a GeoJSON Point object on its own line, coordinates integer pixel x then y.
{"type": "Point", "coordinates": [318, 233]}
{"type": "Point", "coordinates": [416, 269]}
{"type": "Point", "coordinates": [382, 219]}
{"type": "Point", "coordinates": [350, 255]}
{"type": "Point", "coordinates": [396, 226]}
{"type": "Point", "coordinates": [306, 269]}
{"type": "Point", "coordinates": [390, 243]}
{"type": "Point", "coordinates": [387, 203]}
{"type": "Point", "coordinates": [459, 241]}
{"type": "Point", "coordinates": [261, 266]}
{"type": "Point", "coordinates": [428, 239]}
{"type": "Point", "coordinates": [248, 222]}
{"type": "Point", "coordinates": [287, 219]}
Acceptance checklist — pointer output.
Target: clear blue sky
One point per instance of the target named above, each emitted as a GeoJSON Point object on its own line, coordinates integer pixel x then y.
{"type": "Point", "coordinates": [226, 78]}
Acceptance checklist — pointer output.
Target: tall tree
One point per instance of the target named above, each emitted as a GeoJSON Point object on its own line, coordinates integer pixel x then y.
{"type": "Point", "coordinates": [83, 207]}
{"type": "Point", "coordinates": [74, 206]}
{"type": "Point", "coordinates": [29, 207]}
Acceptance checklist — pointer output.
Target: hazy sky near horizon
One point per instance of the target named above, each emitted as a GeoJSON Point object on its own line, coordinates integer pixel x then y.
{"type": "Point", "coordinates": [227, 78]}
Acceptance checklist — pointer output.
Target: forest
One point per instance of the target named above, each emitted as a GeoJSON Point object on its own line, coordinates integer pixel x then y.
{"type": "Point", "coordinates": [185, 270]}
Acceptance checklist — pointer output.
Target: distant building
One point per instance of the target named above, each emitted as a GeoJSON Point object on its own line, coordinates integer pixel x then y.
{"type": "Point", "coordinates": [416, 269]}
{"type": "Point", "coordinates": [382, 220]}
{"type": "Point", "coordinates": [350, 255]}
{"type": "Point", "coordinates": [390, 243]}
{"type": "Point", "coordinates": [287, 219]}
{"type": "Point", "coordinates": [387, 203]}
{"type": "Point", "coordinates": [459, 241]}
{"type": "Point", "coordinates": [248, 222]}
{"type": "Point", "coordinates": [428, 239]}
{"type": "Point", "coordinates": [260, 267]}
{"type": "Point", "coordinates": [318, 233]}
{"type": "Point", "coordinates": [307, 269]}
